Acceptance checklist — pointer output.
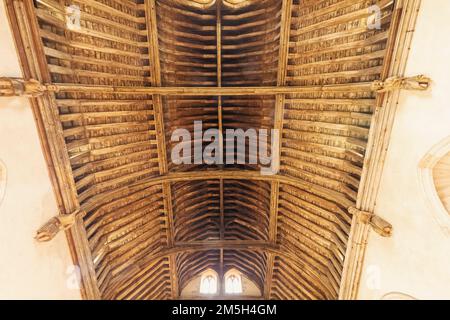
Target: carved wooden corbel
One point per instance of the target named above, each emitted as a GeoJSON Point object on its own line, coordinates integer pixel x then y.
{"type": "Point", "coordinates": [10, 87]}
{"type": "Point", "coordinates": [16, 87]}
{"type": "Point", "coordinates": [378, 224]}
{"type": "Point", "coordinates": [63, 222]}
{"type": "Point", "coordinates": [416, 83]}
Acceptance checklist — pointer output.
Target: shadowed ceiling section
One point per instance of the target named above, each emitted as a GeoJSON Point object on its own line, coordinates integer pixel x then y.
{"type": "Point", "coordinates": [187, 44]}
{"type": "Point", "coordinates": [247, 206]}
{"type": "Point", "coordinates": [250, 44]}
{"type": "Point", "coordinates": [287, 233]}
{"type": "Point", "coordinates": [196, 210]}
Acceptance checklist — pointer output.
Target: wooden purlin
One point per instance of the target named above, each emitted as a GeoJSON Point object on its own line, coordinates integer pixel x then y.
{"type": "Point", "coordinates": [154, 60]}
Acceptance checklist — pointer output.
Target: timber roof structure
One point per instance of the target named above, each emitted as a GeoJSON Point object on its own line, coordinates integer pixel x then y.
{"type": "Point", "coordinates": [134, 71]}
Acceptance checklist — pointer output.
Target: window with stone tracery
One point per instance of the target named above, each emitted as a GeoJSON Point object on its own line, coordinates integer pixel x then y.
{"type": "Point", "coordinates": [208, 284]}
{"type": "Point", "coordinates": [233, 283]}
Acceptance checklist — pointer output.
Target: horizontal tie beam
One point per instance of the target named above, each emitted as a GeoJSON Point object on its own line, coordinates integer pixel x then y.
{"type": "Point", "coordinates": [210, 91]}
{"type": "Point", "coordinates": [32, 88]}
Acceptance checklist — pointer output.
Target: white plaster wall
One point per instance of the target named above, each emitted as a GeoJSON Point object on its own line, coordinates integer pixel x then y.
{"type": "Point", "coordinates": [416, 260]}
{"type": "Point", "coordinates": [28, 270]}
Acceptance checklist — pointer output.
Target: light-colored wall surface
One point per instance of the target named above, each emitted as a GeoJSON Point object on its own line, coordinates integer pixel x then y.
{"type": "Point", "coordinates": [416, 260]}
{"type": "Point", "coordinates": [28, 270]}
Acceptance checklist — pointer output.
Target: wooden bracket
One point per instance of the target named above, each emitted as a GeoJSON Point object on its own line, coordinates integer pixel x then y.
{"type": "Point", "coordinates": [10, 87]}
{"type": "Point", "coordinates": [378, 224]}
{"type": "Point", "coordinates": [63, 222]}
{"type": "Point", "coordinates": [16, 87]}
{"type": "Point", "coordinates": [416, 83]}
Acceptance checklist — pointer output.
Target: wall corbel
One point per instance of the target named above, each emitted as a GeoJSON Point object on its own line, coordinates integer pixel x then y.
{"type": "Point", "coordinates": [56, 224]}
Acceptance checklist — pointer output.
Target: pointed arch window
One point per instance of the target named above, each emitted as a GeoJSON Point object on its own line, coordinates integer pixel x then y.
{"type": "Point", "coordinates": [208, 284]}
{"type": "Point", "coordinates": [233, 283]}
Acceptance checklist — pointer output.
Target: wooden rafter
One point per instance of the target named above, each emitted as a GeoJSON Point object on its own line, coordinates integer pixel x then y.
{"type": "Point", "coordinates": [220, 125]}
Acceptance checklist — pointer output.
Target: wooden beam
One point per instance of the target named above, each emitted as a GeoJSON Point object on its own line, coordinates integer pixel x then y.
{"type": "Point", "coordinates": [211, 91]}
{"type": "Point", "coordinates": [394, 83]}
{"type": "Point", "coordinates": [220, 244]}
{"type": "Point", "coordinates": [221, 273]}
{"type": "Point", "coordinates": [10, 87]}
{"type": "Point", "coordinates": [220, 124]}
{"type": "Point", "coordinates": [151, 17]}
{"type": "Point", "coordinates": [222, 212]}
{"type": "Point", "coordinates": [219, 42]}
{"type": "Point", "coordinates": [278, 126]}
{"type": "Point", "coordinates": [155, 63]}
{"type": "Point", "coordinates": [286, 16]}
{"type": "Point", "coordinates": [273, 211]}
{"type": "Point", "coordinates": [181, 247]}
{"type": "Point", "coordinates": [269, 275]}
{"type": "Point", "coordinates": [328, 194]}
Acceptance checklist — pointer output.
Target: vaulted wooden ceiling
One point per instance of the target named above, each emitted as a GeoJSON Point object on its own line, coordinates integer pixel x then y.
{"type": "Point", "coordinates": [153, 226]}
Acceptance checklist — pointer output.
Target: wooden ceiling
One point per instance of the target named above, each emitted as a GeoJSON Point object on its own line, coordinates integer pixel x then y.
{"type": "Point", "coordinates": [152, 226]}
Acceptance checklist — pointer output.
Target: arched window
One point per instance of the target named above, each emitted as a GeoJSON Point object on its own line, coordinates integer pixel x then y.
{"type": "Point", "coordinates": [208, 284]}
{"type": "Point", "coordinates": [233, 282]}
